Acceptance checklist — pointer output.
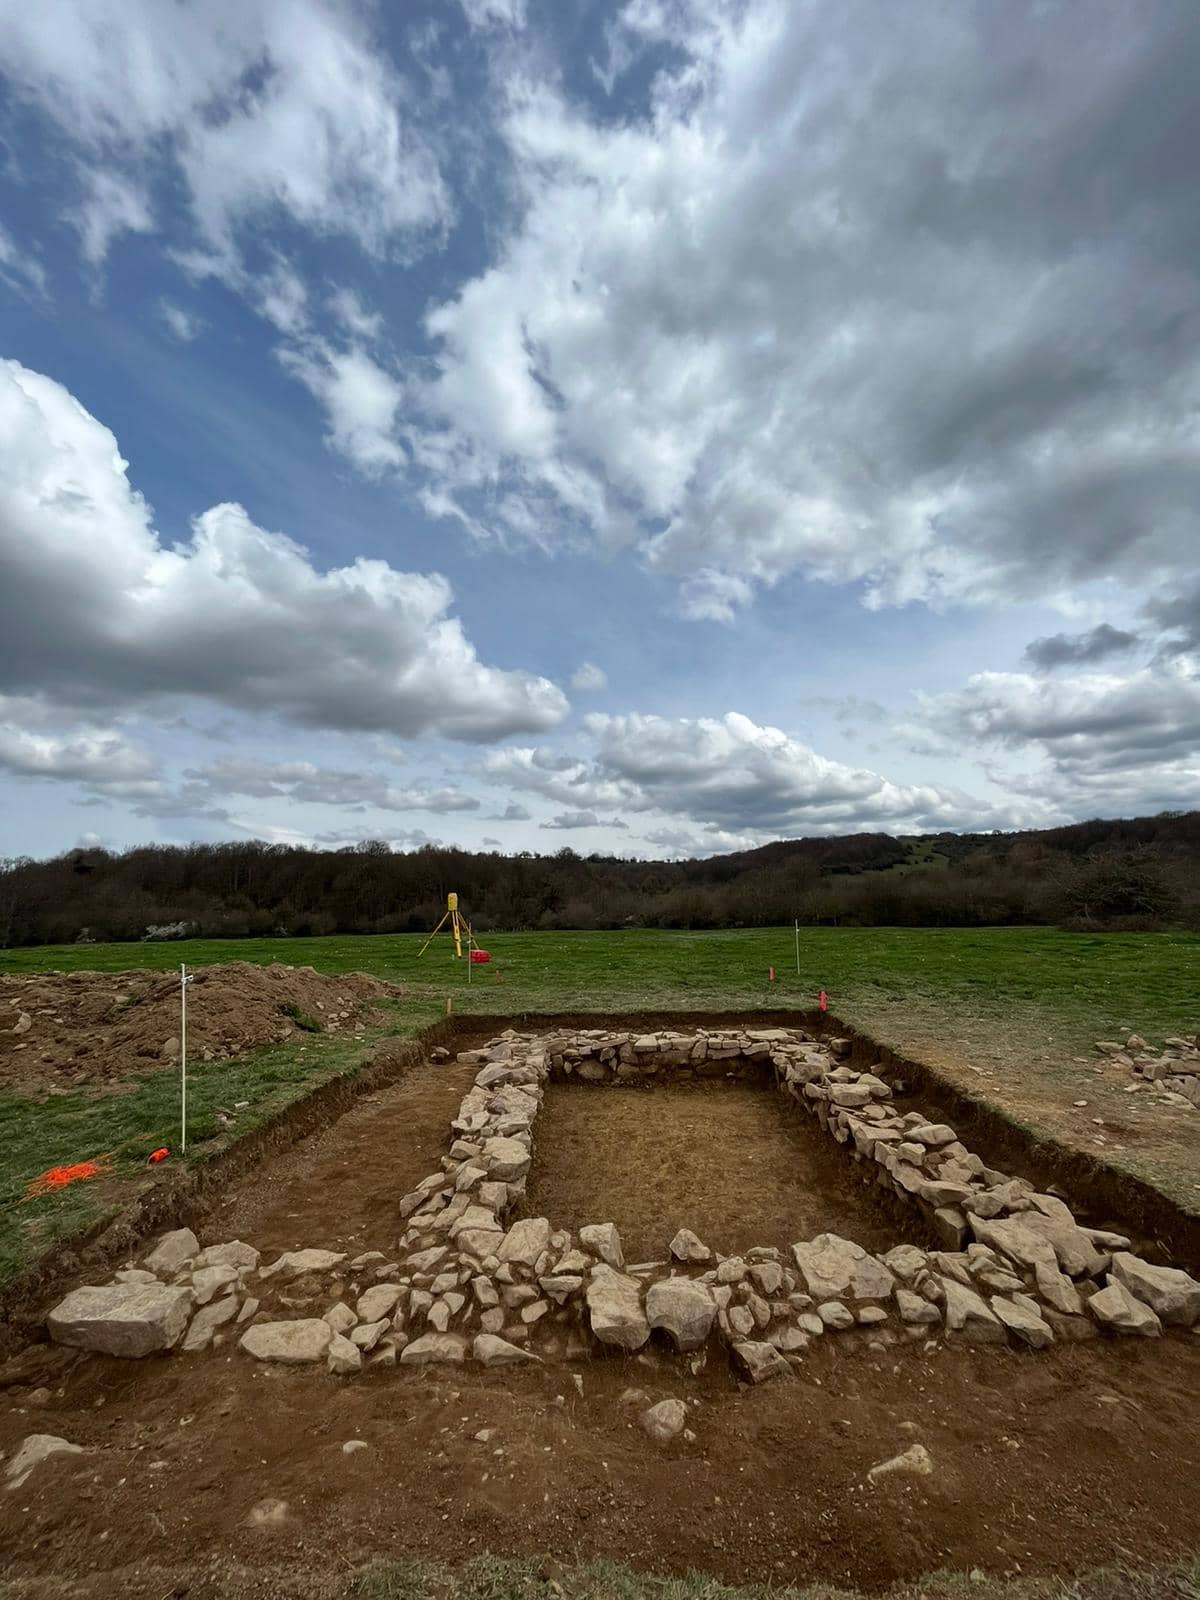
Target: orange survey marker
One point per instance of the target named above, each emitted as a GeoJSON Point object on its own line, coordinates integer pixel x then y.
{"type": "Point", "coordinates": [59, 1177]}
{"type": "Point", "coordinates": [156, 1156]}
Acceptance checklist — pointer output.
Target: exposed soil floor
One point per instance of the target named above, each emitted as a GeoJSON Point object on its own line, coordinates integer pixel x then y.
{"type": "Point", "coordinates": [341, 1188]}
{"type": "Point", "coordinates": [1056, 1462]}
{"type": "Point", "coordinates": [732, 1161]}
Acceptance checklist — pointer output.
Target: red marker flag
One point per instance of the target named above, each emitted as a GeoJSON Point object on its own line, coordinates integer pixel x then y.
{"type": "Point", "coordinates": [770, 974]}
{"type": "Point", "coordinates": [824, 1001]}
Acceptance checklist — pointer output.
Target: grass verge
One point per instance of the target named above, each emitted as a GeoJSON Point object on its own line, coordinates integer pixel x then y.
{"type": "Point", "coordinates": [495, 1578]}
{"type": "Point", "coordinates": [120, 1129]}
{"type": "Point", "coordinates": [1010, 1014]}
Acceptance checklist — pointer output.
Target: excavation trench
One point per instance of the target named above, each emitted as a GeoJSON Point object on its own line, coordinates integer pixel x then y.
{"type": "Point", "coordinates": [1053, 1462]}
{"type": "Point", "coordinates": [734, 1162]}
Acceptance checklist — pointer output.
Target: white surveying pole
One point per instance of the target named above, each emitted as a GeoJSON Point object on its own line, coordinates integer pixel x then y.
{"type": "Point", "coordinates": [797, 946]}
{"type": "Point", "coordinates": [184, 980]}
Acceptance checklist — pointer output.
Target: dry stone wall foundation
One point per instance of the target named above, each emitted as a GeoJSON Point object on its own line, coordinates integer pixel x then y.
{"type": "Point", "coordinates": [468, 1280]}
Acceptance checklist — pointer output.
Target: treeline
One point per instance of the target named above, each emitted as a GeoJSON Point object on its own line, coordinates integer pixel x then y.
{"type": "Point", "coordinates": [1127, 874]}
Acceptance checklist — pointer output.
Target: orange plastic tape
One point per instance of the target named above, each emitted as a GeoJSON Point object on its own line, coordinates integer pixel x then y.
{"type": "Point", "coordinates": [159, 1155]}
{"type": "Point", "coordinates": [60, 1177]}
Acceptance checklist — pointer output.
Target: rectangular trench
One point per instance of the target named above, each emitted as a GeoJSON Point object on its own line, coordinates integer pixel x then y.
{"type": "Point", "coordinates": [731, 1160]}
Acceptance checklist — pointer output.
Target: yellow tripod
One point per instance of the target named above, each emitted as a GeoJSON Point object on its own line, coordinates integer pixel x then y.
{"type": "Point", "coordinates": [458, 926]}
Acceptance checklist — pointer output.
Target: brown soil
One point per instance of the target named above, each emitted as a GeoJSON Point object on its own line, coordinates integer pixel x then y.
{"type": "Point", "coordinates": [92, 1028]}
{"type": "Point", "coordinates": [732, 1161]}
{"type": "Point", "coordinates": [340, 1189]}
{"type": "Point", "coordinates": [1055, 1462]}
{"type": "Point", "coordinates": [1050, 1463]}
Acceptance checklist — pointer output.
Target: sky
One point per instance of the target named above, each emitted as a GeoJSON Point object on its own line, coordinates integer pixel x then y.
{"type": "Point", "coordinates": [651, 428]}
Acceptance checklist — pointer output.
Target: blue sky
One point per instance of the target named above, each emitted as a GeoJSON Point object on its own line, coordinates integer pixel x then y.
{"type": "Point", "coordinates": [654, 427]}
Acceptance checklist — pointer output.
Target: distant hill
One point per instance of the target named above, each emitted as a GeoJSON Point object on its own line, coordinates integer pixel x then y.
{"type": "Point", "coordinates": [1140, 872]}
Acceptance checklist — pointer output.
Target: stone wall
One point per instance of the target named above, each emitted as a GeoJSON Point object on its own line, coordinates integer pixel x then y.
{"type": "Point", "coordinates": [465, 1281]}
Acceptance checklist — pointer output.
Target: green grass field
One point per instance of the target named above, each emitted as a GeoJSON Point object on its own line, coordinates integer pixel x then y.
{"type": "Point", "coordinates": [1008, 1013]}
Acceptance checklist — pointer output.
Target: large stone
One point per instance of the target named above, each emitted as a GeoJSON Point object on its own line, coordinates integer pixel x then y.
{"type": "Point", "coordinates": [33, 1451]}
{"type": "Point", "coordinates": [757, 1362]}
{"type": "Point", "coordinates": [685, 1246]}
{"type": "Point", "coordinates": [209, 1282]}
{"type": "Point", "coordinates": [295, 1263]}
{"type": "Point", "coordinates": [343, 1357]}
{"type": "Point", "coordinates": [496, 1352]}
{"type": "Point", "coordinates": [683, 1309]}
{"type": "Point", "coordinates": [431, 1347]}
{"type": "Point", "coordinates": [1056, 1289]}
{"type": "Point", "coordinates": [665, 1421]}
{"type": "Point", "coordinates": [1119, 1311]}
{"type": "Point", "coordinates": [172, 1252]}
{"type": "Point", "coordinates": [1022, 1317]}
{"type": "Point", "coordinates": [292, 1343]}
{"type": "Point", "coordinates": [379, 1301]}
{"type": "Point", "coordinates": [122, 1319]}
{"type": "Point", "coordinates": [915, 1309]}
{"type": "Point", "coordinates": [1171, 1294]}
{"type": "Point", "coordinates": [206, 1322]}
{"type": "Point", "coordinates": [615, 1309]}
{"type": "Point", "coordinates": [914, 1462]}
{"type": "Point", "coordinates": [233, 1254]}
{"type": "Point", "coordinates": [1034, 1237]}
{"type": "Point", "coordinates": [507, 1159]}
{"type": "Point", "coordinates": [525, 1241]}
{"type": "Point", "coordinates": [603, 1240]}
{"type": "Point", "coordinates": [905, 1261]}
{"type": "Point", "coordinates": [967, 1315]}
{"type": "Point", "coordinates": [836, 1269]}
{"type": "Point", "coordinates": [340, 1317]}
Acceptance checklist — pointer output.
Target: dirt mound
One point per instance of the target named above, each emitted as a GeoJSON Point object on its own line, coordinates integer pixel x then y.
{"type": "Point", "coordinates": [61, 1030]}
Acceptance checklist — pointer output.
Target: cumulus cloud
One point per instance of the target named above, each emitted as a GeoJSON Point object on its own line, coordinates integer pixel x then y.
{"type": "Point", "coordinates": [513, 812]}
{"type": "Point", "coordinates": [259, 109]}
{"type": "Point", "coordinates": [588, 678]}
{"type": "Point", "coordinates": [103, 759]}
{"type": "Point", "coordinates": [576, 819]}
{"type": "Point", "coordinates": [1078, 649]}
{"type": "Point", "coordinates": [734, 776]}
{"type": "Point", "coordinates": [844, 300]}
{"type": "Point", "coordinates": [360, 399]}
{"type": "Point", "coordinates": [98, 613]}
{"type": "Point", "coordinates": [1104, 741]}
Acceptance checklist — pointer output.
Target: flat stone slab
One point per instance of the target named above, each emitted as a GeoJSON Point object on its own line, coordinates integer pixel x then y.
{"type": "Point", "coordinates": [293, 1343]}
{"type": "Point", "coordinates": [122, 1319]}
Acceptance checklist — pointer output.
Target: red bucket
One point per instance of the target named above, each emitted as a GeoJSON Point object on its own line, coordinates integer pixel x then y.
{"type": "Point", "coordinates": [480, 958]}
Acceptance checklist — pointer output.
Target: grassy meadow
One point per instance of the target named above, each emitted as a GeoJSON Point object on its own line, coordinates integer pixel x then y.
{"type": "Point", "coordinates": [1009, 1013]}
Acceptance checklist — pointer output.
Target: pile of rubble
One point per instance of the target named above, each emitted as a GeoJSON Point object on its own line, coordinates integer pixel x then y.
{"type": "Point", "coordinates": [465, 1283]}
{"type": "Point", "coordinates": [1174, 1070]}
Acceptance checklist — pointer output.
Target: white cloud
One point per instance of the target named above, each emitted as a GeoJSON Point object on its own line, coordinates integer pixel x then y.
{"type": "Point", "coordinates": [1105, 742]}
{"type": "Point", "coordinates": [305, 783]}
{"type": "Point", "coordinates": [261, 108]}
{"type": "Point", "coordinates": [354, 317]}
{"type": "Point", "coordinates": [589, 678]}
{"type": "Point", "coordinates": [734, 779]}
{"type": "Point", "coordinates": [360, 399]}
{"type": "Point", "coordinates": [845, 301]}
{"type": "Point", "coordinates": [185, 325]}
{"type": "Point", "coordinates": [110, 205]}
{"type": "Point", "coordinates": [19, 268]}
{"type": "Point", "coordinates": [97, 612]}
{"type": "Point", "coordinates": [104, 760]}
{"type": "Point", "coordinates": [493, 13]}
